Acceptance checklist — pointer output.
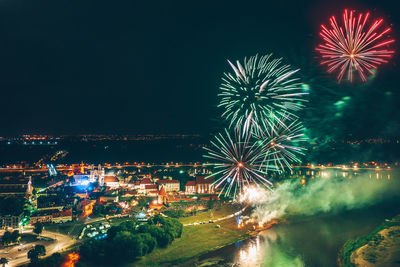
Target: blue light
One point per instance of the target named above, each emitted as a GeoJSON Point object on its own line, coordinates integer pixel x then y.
{"type": "Point", "coordinates": [141, 215]}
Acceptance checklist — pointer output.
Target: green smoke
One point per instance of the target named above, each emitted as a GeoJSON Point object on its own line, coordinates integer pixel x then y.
{"type": "Point", "coordinates": [323, 195]}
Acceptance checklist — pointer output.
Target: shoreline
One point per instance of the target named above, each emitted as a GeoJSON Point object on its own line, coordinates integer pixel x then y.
{"type": "Point", "coordinates": [190, 261]}
{"type": "Point", "coordinates": [378, 247]}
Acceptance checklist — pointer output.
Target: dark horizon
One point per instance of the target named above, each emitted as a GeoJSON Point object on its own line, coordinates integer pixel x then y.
{"type": "Point", "coordinates": [136, 68]}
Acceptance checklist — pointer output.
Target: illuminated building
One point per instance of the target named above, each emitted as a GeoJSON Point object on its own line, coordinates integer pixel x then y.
{"type": "Point", "coordinates": [16, 186]}
{"type": "Point", "coordinates": [10, 221]}
{"type": "Point", "coordinates": [204, 186]}
{"type": "Point", "coordinates": [162, 196]}
{"type": "Point", "coordinates": [93, 175]}
{"type": "Point", "coordinates": [190, 187]}
{"type": "Point", "coordinates": [52, 216]}
{"type": "Point", "coordinates": [169, 185]}
{"type": "Point", "coordinates": [111, 181]}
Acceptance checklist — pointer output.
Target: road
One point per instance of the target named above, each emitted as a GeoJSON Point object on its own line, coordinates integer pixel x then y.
{"type": "Point", "coordinates": [17, 258]}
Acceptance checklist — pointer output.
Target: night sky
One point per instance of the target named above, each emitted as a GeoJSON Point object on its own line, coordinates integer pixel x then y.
{"type": "Point", "coordinates": [133, 67]}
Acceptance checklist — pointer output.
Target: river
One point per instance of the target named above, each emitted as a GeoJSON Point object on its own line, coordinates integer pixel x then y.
{"type": "Point", "coordinates": [308, 240]}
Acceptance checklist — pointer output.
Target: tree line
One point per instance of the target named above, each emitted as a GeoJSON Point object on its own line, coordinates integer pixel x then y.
{"type": "Point", "coordinates": [130, 240]}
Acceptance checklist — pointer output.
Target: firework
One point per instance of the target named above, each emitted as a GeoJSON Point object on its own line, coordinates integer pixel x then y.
{"type": "Point", "coordinates": [282, 142]}
{"type": "Point", "coordinates": [258, 91]}
{"type": "Point", "coordinates": [240, 163]}
{"type": "Point", "coordinates": [354, 47]}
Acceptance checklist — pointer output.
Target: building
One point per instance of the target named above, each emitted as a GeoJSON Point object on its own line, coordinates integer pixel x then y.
{"type": "Point", "coordinates": [62, 216]}
{"type": "Point", "coordinates": [52, 216]}
{"type": "Point", "coordinates": [149, 188]}
{"type": "Point", "coordinates": [111, 181]}
{"type": "Point", "coordinates": [130, 193]}
{"type": "Point", "coordinates": [205, 185]}
{"type": "Point", "coordinates": [97, 174]}
{"type": "Point", "coordinates": [10, 221]}
{"type": "Point", "coordinates": [109, 198]}
{"type": "Point", "coordinates": [190, 187]}
{"type": "Point", "coordinates": [143, 183]}
{"type": "Point", "coordinates": [162, 196]}
{"type": "Point", "coordinates": [43, 216]}
{"type": "Point", "coordinates": [15, 186]}
{"type": "Point", "coordinates": [152, 193]}
{"type": "Point", "coordinates": [51, 202]}
{"type": "Point", "coordinates": [169, 185]}
{"type": "Point", "coordinates": [86, 206]}
{"type": "Point", "coordinates": [93, 175]}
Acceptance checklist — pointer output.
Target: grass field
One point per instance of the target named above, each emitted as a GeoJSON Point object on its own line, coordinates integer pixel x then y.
{"type": "Point", "coordinates": [202, 216]}
{"type": "Point", "coordinates": [195, 240]}
{"type": "Point", "coordinates": [198, 239]}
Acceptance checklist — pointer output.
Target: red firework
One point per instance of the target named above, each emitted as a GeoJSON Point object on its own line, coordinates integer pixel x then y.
{"type": "Point", "coordinates": [354, 47]}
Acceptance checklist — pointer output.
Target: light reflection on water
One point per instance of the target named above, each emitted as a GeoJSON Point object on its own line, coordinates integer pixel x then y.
{"type": "Point", "coordinates": [263, 251]}
{"type": "Point", "coordinates": [310, 240]}
{"type": "Point", "coordinates": [251, 253]}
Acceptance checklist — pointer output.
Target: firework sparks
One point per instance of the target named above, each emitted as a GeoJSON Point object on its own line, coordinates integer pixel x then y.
{"type": "Point", "coordinates": [354, 47]}
{"type": "Point", "coordinates": [240, 163]}
{"type": "Point", "coordinates": [253, 195]}
{"type": "Point", "coordinates": [282, 141]}
{"type": "Point", "coordinates": [258, 91]}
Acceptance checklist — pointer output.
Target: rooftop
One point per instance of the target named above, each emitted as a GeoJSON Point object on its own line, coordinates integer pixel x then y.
{"type": "Point", "coordinates": [191, 183]}
{"type": "Point", "coordinates": [204, 180]}
{"type": "Point", "coordinates": [110, 179]}
{"type": "Point", "coordinates": [146, 181]}
{"type": "Point", "coordinates": [151, 186]}
{"type": "Point", "coordinates": [168, 182]}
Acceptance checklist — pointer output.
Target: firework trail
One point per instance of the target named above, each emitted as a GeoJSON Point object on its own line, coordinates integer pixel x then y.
{"type": "Point", "coordinates": [239, 163]}
{"type": "Point", "coordinates": [354, 46]}
{"type": "Point", "coordinates": [282, 140]}
{"type": "Point", "coordinates": [259, 90]}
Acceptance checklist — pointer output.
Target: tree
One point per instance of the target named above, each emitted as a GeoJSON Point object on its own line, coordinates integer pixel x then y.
{"type": "Point", "coordinates": [127, 246]}
{"type": "Point", "coordinates": [38, 228]}
{"type": "Point", "coordinates": [41, 250]}
{"type": "Point", "coordinates": [35, 253]}
{"type": "Point", "coordinates": [55, 260]}
{"type": "Point", "coordinates": [142, 202]}
{"type": "Point", "coordinates": [33, 256]}
{"type": "Point", "coordinates": [96, 250]}
{"type": "Point", "coordinates": [15, 236]}
{"type": "Point", "coordinates": [6, 239]}
{"type": "Point", "coordinates": [210, 204]}
{"type": "Point", "coordinates": [99, 209]}
{"type": "Point", "coordinates": [149, 243]}
{"type": "Point", "coordinates": [3, 261]}
{"type": "Point", "coordinates": [27, 209]}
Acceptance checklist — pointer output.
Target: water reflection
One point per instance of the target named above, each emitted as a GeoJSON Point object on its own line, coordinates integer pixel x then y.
{"type": "Point", "coordinates": [307, 241]}
{"type": "Point", "coordinates": [250, 254]}
{"type": "Point", "coordinates": [313, 240]}
{"type": "Point", "coordinates": [344, 173]}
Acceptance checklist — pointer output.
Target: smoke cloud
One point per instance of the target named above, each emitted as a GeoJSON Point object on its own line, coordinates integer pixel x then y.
{"type": "Point", "coordinates": [322, 195]}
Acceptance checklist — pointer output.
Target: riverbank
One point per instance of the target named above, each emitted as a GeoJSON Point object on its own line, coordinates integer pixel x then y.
{"type": "Point", "coordinates": [197, 240]}
{"type": "Point", "coordinates": [379, 248]}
